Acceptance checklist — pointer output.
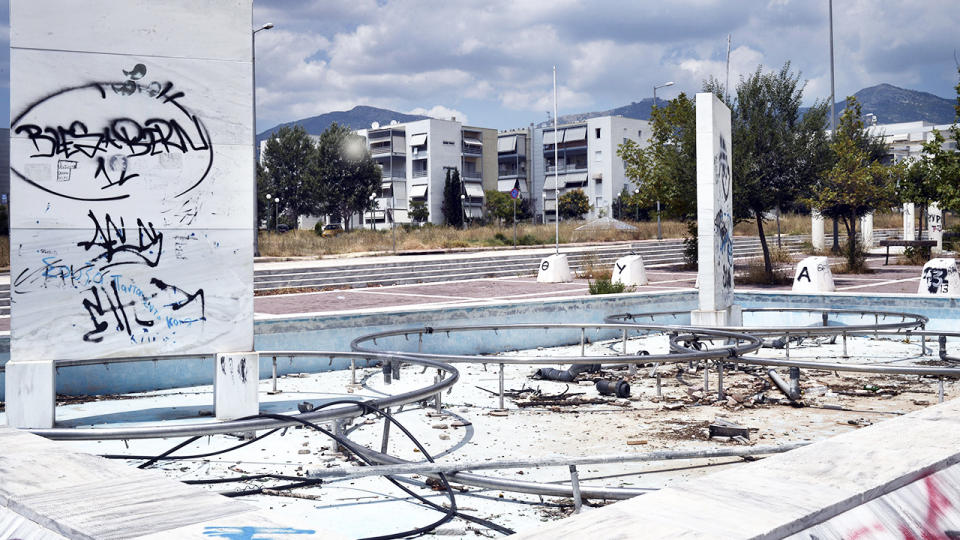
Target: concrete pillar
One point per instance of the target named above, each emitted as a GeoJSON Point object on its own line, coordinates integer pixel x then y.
{"type": "Point", "coordinates": [31, 396]}
{"type": "Point", "coordinates": [554, 269]}
{"type": "Point", "coordinates": [714, 214]}
{"type": "Point", "coordinates": [813, 275]}
{"type": "Point", "coordinates": [235, 385]}
{"type": "Point", "coordinates": [909, 222]}
{"type": "Point", "coordinates": [866, 230]}
{"type": "Point", "coordinates": [935, 226]}
{"type": "Point", "coordinates": [630, 271]}
{"type": "Point", "coordinates": [817, 237]}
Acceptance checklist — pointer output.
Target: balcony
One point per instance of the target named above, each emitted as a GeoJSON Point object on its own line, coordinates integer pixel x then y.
{"type": "Point", "coordinates": [420, 173]}
{"type": "Point", "coordinates": [571, 168]}
{"type": "Point", "coordinates": [471, 150]}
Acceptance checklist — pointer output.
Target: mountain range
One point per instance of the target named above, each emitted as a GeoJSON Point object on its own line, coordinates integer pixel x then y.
{"type": "Point", "coordinates": [359, 117]}
{"type": "Point", "coordinates": [889, 103]}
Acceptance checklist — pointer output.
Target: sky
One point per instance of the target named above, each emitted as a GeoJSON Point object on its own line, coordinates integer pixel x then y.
{"type": "Point", "coordinates": [489, 63]}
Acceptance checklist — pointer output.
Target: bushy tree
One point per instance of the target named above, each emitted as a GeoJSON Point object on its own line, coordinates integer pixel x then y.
{"type": "Point", "coordinates": [499, 205]}
{"type": "Point", "coordinates": [856, 184]}
{"type": "Point", "coordinates": [777, 152]}
{"type": "Point", "coordinates": [419, 212]}
{"type": "Point", "coordinates": [919, 186]}
{"type": "Point", "coordinates": [349, 175]}
{"type": "Point", "coordinates": [452, 206]}
{"type": "Point", "coordinates": [945, 164]}
{"type": "Point", "coordinates": [574, 204]}
{"type": "Point", "coordinates": [290, 172]}
{"type": "Point", "coordinates": [666, 170]}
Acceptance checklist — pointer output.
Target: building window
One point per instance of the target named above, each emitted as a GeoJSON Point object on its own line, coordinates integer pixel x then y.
{"type": "Point", "coordinates": [598, 132]}
{"type": "Point", "coordinates": [598, 155]}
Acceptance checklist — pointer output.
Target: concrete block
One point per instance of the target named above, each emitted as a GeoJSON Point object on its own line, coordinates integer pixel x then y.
{"type": "Point", "coordinates": [817, 237]}
{"type": "Point", "coordinates": [235, 385]}
{"type": "Point", "coordinates": [813, 275]}
{"type": "Point", "coordinates": [554, 269]}
{"type": "Point", "coordinates": [630, 271]}
{"type": "Point", "coordinates": [939, 278]}
{"type": "Point", "coordinates": [30, 393]}
{"type": "Point", "coordinates": [732, 316]}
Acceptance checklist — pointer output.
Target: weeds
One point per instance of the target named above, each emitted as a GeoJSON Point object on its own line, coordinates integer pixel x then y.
{"type": "Point", "coordinates": [914, 255]}
{"type": "Point", "coordinates": [605, 286]}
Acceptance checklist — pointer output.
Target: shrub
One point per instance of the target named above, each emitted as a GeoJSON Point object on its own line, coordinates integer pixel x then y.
{"type": "Point", "coordinates": [914, 255]}
{"type": "Point", "coordinates": [605, 286]}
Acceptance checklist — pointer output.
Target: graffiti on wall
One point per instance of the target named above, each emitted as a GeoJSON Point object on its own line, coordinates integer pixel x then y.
{"type": "Point", "coordinates": [122, 172]}
{"type": "Point", "coordinates": [723, 221]}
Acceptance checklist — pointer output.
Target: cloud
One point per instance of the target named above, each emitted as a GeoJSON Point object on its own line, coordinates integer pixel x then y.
{"type": "Point", "coordinates": [441, 112]}
{"type": "Point", "coordinates": [492, 61]}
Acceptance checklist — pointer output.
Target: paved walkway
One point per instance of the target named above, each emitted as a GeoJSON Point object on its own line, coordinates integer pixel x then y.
{"type": "Point", "coordinates": [892, 279]}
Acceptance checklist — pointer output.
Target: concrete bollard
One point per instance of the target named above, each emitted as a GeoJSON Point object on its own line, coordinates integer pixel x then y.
{"type": "Point", "coordinates": [235, 385]}
{"type": "Point", "coordinates": [813, 275]}
{"type": "Point", "coordinates": [31, 396]}
{"type": "Point", "coordinates": [629, 270]}
{"type": "Point", "coordinates": [939, 278]}
{"type": "Point", "coordinates": [554, 269]}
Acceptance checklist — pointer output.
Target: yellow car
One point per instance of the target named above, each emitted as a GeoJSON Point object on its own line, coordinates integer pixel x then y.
{"type": "Point", "coordinates": [332, 229]}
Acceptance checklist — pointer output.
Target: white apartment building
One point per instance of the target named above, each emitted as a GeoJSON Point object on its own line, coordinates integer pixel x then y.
{"type": "Point", "coordinates": [587, 159]}
{"type": "Point", "coordinates": [415, 157]}
{"type": "Point", "coordinates": [513, 155]}
{"type": "Point", "coordinates": [906, 139]}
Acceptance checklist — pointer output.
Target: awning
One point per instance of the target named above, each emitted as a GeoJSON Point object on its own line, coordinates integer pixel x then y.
{"type": "Point", "coordinates": [548, 137]}
{"type": "Point", "coordinates": [507, 144]}
{"type": "Point", "coordinates": [474, 190]}
{"type": "Point", "coordinates": [418, 140]}
{"type": "Point", "coordinates": [471, 140]}
{"type": "Point", "coordinates": [575, 134]}
{"type": "Point", "coordinates": [386, 185]}
{"type": "Point", "coordinates": [418, 192]}
{"type": "Point", "coordinates": [573, 179]}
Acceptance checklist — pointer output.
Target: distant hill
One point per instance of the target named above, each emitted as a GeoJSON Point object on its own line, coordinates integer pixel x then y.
{"type": "Point", "coordinates": [359, 117]}
{"type": "Point", "coordinates": [891, 104]}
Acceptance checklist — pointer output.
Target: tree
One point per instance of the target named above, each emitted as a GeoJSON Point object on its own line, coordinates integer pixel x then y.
{"type": "Point", "coordinates": [856, 184]}
{"type": "Point", "coordinates": [452, 206]}
{"type": "Point", "coordinates": [499, 205]}
{"type": "Point", "coordinates": [574, 204]}
{"type": "Point", "coordinates": [918, 186]}
{"type": "Point", "coordinates": [777, 153]}
{"type": "Point", "coordinates": [419, 211]}
{"type": "Point", "coordinates": [666, 170]}
{"type": "Point", "coordinates": [945, 164]}
{"type": "Point", "coordinates": [349, 175]}
{"type": "Point", "coordinates": [290, 173]}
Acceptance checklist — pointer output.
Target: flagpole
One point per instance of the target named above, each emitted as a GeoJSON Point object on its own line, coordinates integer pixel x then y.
{"type": "Point", "coordinates": [556, 165]}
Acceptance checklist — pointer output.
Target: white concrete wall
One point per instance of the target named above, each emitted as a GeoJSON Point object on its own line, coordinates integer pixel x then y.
{"type": "Point", "coordinates": [133, 223]}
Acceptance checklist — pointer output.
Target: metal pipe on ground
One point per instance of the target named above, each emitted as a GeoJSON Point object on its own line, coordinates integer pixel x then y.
{"type": "Point", "coordinates": [787, 389]}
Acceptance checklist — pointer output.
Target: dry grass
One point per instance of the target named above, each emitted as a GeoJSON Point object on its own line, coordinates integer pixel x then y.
{"type": "Point", "coordinates": [306, 243]}
{"type": "Point", "coordinates": [753, 271]}
{"type": "Point", "coordinates": [592, 269]}
{"type": "Point", "coordinates": [4, 252]}
{"type": "Point", "coordinates": [798, 224]}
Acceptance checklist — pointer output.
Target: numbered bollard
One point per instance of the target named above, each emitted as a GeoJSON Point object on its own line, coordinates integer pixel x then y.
{"type": "Point", "coordinates": [813, 275]}
{"type": "Point", "coordinates": [939, 278]}
{"type": "Point", "coordinates": [554, 269]}
{"type": "Point", "coordinates": [630, 271]}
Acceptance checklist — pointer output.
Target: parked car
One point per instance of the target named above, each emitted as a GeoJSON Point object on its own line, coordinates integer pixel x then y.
{"type": "Point", "coordinates": [332, 229]}
{"type": "Point", "coordinates": [282, 228]}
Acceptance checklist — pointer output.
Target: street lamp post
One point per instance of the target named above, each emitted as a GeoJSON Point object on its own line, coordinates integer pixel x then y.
{"type": "Point", "coordinates": [637, 204]}
{"type": "Point", "coordinates": [253, 83]}
{"type": "Point", "coordinates": [463, 208]}
{"type": "Point", "coordinates": [276, 211]}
